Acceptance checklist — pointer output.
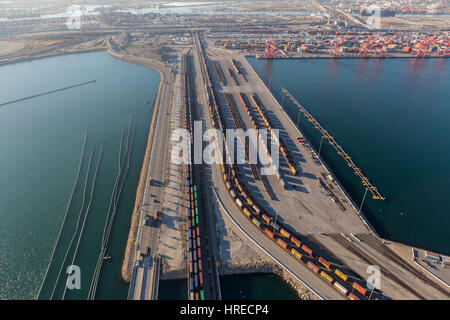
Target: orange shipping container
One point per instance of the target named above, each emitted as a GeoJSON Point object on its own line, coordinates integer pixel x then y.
{"type": "Point", "coordinates": [296, 242]}
{"type": "Point", "coordinates": [282, 243]}
{"type": "Point", "coordinates": [359, 288]}
{"type": "Point", "coordinates": [324, 262]}
{"type": "Point", "coordinates": [285, 233]}
{"type": "Point", "coordinates": [269, 233]}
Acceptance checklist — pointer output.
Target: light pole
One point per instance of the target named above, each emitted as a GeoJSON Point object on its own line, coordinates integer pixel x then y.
{"type": "Point", "coordinates": [320, 146]}
{"type": "Point", "coordinates": [364, 197]}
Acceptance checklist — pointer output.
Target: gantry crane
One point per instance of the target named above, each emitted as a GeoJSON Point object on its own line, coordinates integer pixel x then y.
{"type": "Point", "coordinates": [382, 46]}
{"type": "Point", "coordinates": [424, 45]}
{"type": "Point", "coordinates": [367, 44]}
{"type": "Point", "coordinates": [272, 49]}
{"type": "Point", "coordinates": [336, 45]}
{"type": "Point", "coordinates": [443, 47]}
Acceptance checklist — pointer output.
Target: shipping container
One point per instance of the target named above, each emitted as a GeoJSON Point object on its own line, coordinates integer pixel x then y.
{"type": "Point", "coordinates": [307, 250]}
{"type": "Point", "coordinates": [285, 233]}
{"type": "Point", "coordinates": [359, 288]}
{"type": "Point", "coordinates": [266, 218]}
{"type": "Point", "coordinates": [296, 242]}
{"type": "Point", "coordinates": [341, 288]}
{"type": "Point", "coordinates": [239, 203]}
{"type": "Point", "coordinates": [269, 233]}
{"type": "Point", "coordinates": [202, 295]}
{"type": "Point", "coordinates": [274, 225]}
{"type": "Point", "coordinates": [313, 267]}
{"type": "Point", "coordinates": [198, 242]}
{"type": "Point", "coordinates": [199, 263]}
{"type": "Point", "coordinates": [197, 297]}
{"type": "Point", "coordinates": [282, 243]}
{"type": "Point", "coordinates": [246, 212]}
{"type": "Point", "coordinates": [200, 278]}
{"type": "Point", "coordinates": [340, 274]}
{"type": "Point", "coordinates": [191, 269]}
{"type": "Point", "coordinates": [255, 221]}
{"type": "Point", "coordinates": [191, 284]}
{"type": "Point", "coordinates": [196, 281]}
{"type": "Point", "coordinates": [256, 209]}
{"type": "Point", "coordinates": [326, 276]}
{"type": "Point", "coordinates": [324, 262]}
{"type": "Point", "coordinates": [296, 254]}
{"type": "Point", "coordinates": [351, 296]}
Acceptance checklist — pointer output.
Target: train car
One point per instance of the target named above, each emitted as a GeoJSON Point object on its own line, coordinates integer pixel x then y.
{"type": "Point", "coordinates": [247, 212]}
{"type": "Point", "coordinates": [199, 262]}
{"type": "Point", "coordinates": [307, 250]}
{"type": "Point", "coordinates": [202, 295]}
{"type": "Point", "coordinates": [341, 275]}
{"type": "Point", "coordinates": [325, 263]}
{"type": "Point", "coordinates": [282, 243]}
{"type": "Point", "coordinates": [256, 222]}
{"type": "Point", "coordinates": [296, 242]}
{"type": "Point", "coordinates": [285, 233]}
{"type": "Point", "coordinates": [191, 284]}
{"type": "Point", "coordinates": [266, 218]}
{"type": "Point", "coordinates": [198, 242]}
{"type": "Point", "coordinates": [191, 268]}
{"type": "Point", "coordinates": [268, 232]}
{"type": "Point", "coordinates": [313, 267]}
{"type": "Point", "coordinates": [341, 288]}
{"type": "Point", "coordinates": [359, 288]}
{"type": "Point", "coordinates": [197, 297]}
{"type": "Point", "coordinates": [239, 203]}
{"type": "Point", "coordinates": [250, 202]}
{"type": "Point", "coordinates": [195, 267]}
{"type": "Point", "coordinates": [296, 254]}
{"type": "Point", "coordinates": [200, 278]}
{"type": "Point", "coordinates": [233, 194]}
{"type": "Point", "coordinates": [351, 296]}
{"type": "Point", "coordinates": [199, 256]}
{"type": "Point", "coordinates": [326, 276]}
{"type": "Point", "coordinates": [274, 225]}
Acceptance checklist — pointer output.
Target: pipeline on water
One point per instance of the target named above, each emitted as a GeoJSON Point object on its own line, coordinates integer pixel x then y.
{"type": "Point", "coordinates": [46, 93]}
{"type": "Point", "coordinates": [87, 211]}
{"type": "Point", "coordinates": [115, 196]}
{"type": "Point", "coordinates": [76, 227]}
{"type": "Point", "coordinates": [65, 215]}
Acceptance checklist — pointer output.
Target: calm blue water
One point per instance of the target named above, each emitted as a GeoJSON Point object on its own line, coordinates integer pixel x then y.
{"type": "Point", "coordinates": [392, 116]}
{"type": "Point", "coordinates": [41, 142]}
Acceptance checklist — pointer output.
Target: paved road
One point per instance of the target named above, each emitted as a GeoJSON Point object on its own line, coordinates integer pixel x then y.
{"type": "Point", "coordinates": [147, 235]}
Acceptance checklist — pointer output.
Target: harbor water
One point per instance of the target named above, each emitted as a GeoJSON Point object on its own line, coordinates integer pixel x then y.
{"type": "Point", "coordinates": [392, 117]}
{"type": "Point", "coordinates": [42, 142]}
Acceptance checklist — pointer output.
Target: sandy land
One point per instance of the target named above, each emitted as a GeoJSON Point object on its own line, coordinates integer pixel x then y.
{"type": "Point", "coordinates": [8, 47]}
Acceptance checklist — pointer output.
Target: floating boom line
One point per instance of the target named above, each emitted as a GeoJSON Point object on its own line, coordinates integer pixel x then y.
{"type": "Point", "coordinates": [340, 151]}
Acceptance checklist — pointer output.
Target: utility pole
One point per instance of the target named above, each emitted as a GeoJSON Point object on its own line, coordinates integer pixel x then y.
{"type": "Point", "coordinates": [320, 146]}
{"type": "Point", "coordinates": [364, 197]}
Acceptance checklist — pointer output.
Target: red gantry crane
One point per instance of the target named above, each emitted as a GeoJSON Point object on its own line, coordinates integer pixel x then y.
{"type": "Point", "coordinates": [443, 47]}
{"type": "Point", "coordinates": [425, 44]}
{"type": "Point", "coordinates": [367, 44]}
{"type": "Point", "coordinates": [336, 45]}
{"type": "Point", "coordinates": [272, 49]}
{"type": "Point", "coordinates": [382, 46]}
